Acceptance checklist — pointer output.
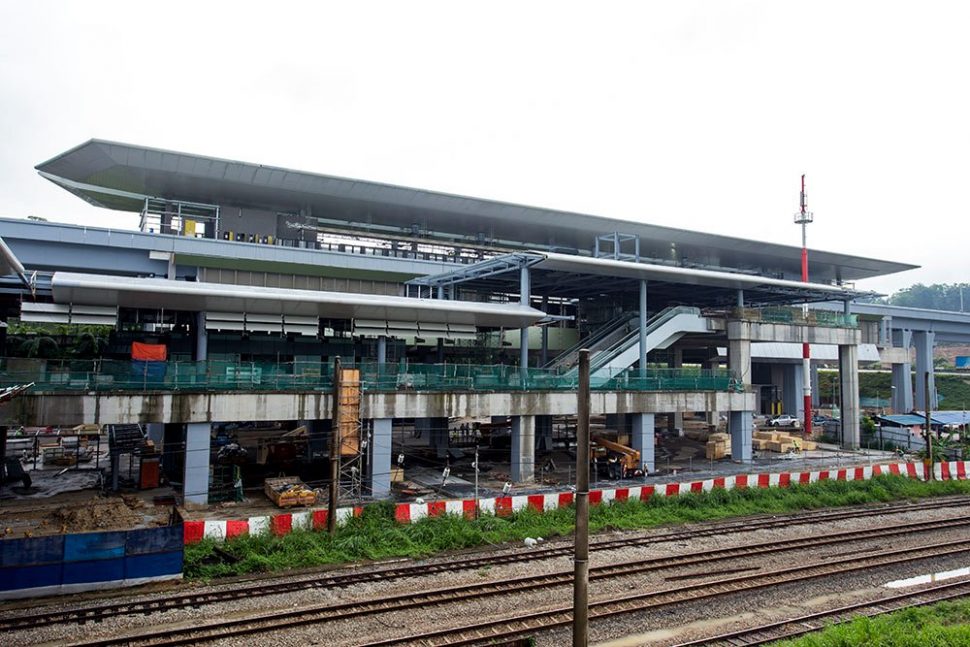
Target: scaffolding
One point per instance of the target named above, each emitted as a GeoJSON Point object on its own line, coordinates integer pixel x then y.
{"type": "Point", "coordinates": [348, 430]}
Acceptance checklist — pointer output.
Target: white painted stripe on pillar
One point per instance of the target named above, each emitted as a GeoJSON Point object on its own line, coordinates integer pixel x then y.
{"type": "Point", "coordinates": [343, 514]}
{"type": "Point", "coordinates": [258, 525]}
{"type": "Point", "coordinates": [302, 520]}
{"type": "Point", "coordinates": [419, 511]}
{"type": "Point", "coordinates": [215, 529]}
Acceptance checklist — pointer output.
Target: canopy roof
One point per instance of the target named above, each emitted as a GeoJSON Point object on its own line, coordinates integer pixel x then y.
{"type": "Point", "coordinates": [119, 176]}
{"type": "Point", "coordinates": [129, 292]}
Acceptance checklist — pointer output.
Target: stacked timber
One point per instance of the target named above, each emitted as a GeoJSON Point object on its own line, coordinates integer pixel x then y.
{"type": "Point", "coordinates": [289, 491]}
{"type": "Point", "coordinates": [781, 442]}
{"type": "Point", "coordinates": [718, 446]}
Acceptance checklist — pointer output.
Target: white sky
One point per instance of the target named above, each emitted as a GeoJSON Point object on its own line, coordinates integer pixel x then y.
{"type": "Point", "coordinates": [699, 115]}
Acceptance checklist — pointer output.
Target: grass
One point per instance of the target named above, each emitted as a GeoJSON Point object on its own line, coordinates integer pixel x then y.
{"type": "Point", "coordinates": [946, 624]}
{"type": "Point", "coordinates": [376, 535]}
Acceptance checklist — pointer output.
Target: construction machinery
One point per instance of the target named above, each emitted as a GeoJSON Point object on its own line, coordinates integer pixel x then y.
{"type": "Point", "coordinates": [619, 461]}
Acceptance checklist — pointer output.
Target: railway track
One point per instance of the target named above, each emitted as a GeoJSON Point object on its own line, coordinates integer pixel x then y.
{"type": "Point", "coordinates": [99, 612]}
{"type": "Point", "coordinates": [795, 627]}
{"type": "Point", "coordinates": [320, 614]}
{"type": "Point", "coordinates": [527, 625]}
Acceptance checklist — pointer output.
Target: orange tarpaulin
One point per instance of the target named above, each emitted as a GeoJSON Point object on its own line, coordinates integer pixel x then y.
{"type": "Point", "coordinates": [149, 352]}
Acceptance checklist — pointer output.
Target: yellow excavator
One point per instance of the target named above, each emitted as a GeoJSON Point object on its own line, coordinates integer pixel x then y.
{"type": "Point", "coordinates": [620, 461]}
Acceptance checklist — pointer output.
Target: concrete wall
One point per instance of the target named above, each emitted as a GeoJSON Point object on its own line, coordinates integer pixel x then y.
{"type": "Point", "coordinates": [792, 333]}
{"type": "Point", "coordinates": [70, 409]}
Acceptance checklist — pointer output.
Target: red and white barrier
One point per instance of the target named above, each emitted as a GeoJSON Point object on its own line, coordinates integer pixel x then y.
{"type": "Point", "coordinates": [316, 519]}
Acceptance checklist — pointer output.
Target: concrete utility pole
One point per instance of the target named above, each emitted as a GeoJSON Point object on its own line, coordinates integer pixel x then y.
{"type": "Point", "coordinates": [803, 218]}
{"type": "Point", "coordinates": [929, 429]}
{"type": "Point", "coordinates": [334, 451]}
{"type": "Point", "coordinates": [581, 554]}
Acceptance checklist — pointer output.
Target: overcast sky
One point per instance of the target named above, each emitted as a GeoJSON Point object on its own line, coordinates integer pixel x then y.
{"type": "Point", "coordinates": [699, 115]}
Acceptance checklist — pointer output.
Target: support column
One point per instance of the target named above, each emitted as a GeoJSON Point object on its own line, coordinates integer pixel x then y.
{"type": "Point", "coordinates": [739, 361]}
{"type": "Point", "coordinates": [436, 431]}
{"type": "Point", "coordinates": [741, 427]}
{"type": "Point", "coordinates": [544, 357]}
{"type": "Point", "coordinates": [642, 438]}
{"type": "Point", "coordinates": [923, 341]}
{"type": "Point", "coordinates": [379, 464]}
{"type": "Point", "coordinates": [816, 401]}
{"type": "Point", "coordinates": [643, 328]}
{"type": "Point", "coordinates": [849, 377]}
{"type": "Point", "coordinates": [792, 386]}
{"type": "Point", "coordinates": [902, 374]}
{"type": "Point", "coordinates": [382, 350]}
{"type": "Point", "coordinates": [201, 338]}
{"type": "Point", "coordinates": [524, 293]}
{"type": "Point", "coordinates": [544, 433]}
{"type": "Point", "coordinates": [677, 361]}
{"type": "Point", "coordinates": [195, 484]}
{"type": "Point", "coordinates": [523, 448]}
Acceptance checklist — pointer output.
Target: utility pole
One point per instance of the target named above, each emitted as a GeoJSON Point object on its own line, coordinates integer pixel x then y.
{"type": "Point", "coordinates": [803, 218]}
{"type": "Point", "coordinates": [929, 429]}
{"type": "Point", "coordinates": [334, 451]}
{"type": "Point", "coordinates": [581, 550]}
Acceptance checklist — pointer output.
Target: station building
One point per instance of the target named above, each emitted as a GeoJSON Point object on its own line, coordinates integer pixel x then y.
{"type": "Point", "coordinates": [448, 309]}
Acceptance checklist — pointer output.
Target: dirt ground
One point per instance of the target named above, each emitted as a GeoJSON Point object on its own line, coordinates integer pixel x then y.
{"type": "Point", "coordinates": [79, 512]}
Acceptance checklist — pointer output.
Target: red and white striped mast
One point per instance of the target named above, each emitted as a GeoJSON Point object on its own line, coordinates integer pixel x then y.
{"type": "Point", "coordinates": [803, 218]}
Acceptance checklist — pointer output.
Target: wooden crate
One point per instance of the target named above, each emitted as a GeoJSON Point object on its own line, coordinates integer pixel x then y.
{"type": "Point", "coordinates": [289, 491]}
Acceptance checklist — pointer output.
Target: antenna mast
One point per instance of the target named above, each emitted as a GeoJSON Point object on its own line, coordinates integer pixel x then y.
{"type": "Point", "coordinates": [803, 218]}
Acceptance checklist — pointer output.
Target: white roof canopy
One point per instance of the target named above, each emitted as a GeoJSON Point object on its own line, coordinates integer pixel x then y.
{"type": "Point", "coordinates": [128, 292]}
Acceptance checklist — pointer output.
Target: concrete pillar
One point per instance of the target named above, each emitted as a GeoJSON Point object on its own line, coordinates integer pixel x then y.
{"type": "Point", "coordinates": [156, 433]}
{"type": "Point", "coordinates": [524, 293]}
{"type": "Point", "coordinates": [677, 361]}
{"type": "Point", "coordinates": [816, 401]}
{"type": "Point", "coordinates": [740, 298]}
{"type": "Point", "coordinates": [642, 322]}
{"type": "Point", "coordinates": [382, 350]}
{"type": "Point", "coordinates": [544, 433]}
{"type": "Point", "coordinates": [642, 438]}
{"type": "Point", "coordinates": [195, 484]}
{"type": "Point", "coordinates": [902, 394]}
{"type": "Point", "coordinates": [739, 360]}
{"type": "Point", "coordinates": [741, 427]}
{"type": "Point", "coordinates": [523, 448]}
{"type": "Point", "coordinates": [849, 377]}
{"type": "Point", "coordinates": [379, 465]}
{"type": "Point", "coordinates": [923, 341]}
{"type": "Point", "coordinates": [544, 358]}
{"type": "Point", "coordinates": [792, 394]}
{"type": "Point", "coordinates": [436, 431]}
{"type": "Point", "coordinates": [201, 338]}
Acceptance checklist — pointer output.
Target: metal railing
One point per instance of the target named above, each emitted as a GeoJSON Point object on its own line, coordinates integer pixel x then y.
{"type": "Point", "coordinates": [66, 376]}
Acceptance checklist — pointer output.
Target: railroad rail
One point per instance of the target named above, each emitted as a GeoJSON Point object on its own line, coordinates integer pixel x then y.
{"type": "Point", "coordinates": [320, 614]}
{"type": "Point", "coordinates": [795, 627]}
{"type": "Point", "coordinates": [99, 612]}
{"type": "Point", "coordinates": [527, 625]}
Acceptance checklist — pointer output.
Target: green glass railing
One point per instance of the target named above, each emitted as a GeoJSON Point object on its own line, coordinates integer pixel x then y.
{"type": "Point", "coordinates": [121, 375]}
{"type": "Point", "coordinates": [827, 318]}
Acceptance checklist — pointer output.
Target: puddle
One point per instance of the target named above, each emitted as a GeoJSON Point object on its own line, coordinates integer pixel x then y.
{"type": "Point", "coordinates": [928, 578]}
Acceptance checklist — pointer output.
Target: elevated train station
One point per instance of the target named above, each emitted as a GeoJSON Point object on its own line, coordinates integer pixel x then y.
{"type": "Point", "coordinates": [451, 309]}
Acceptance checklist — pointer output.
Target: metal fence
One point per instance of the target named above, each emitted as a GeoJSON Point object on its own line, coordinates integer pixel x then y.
{"type": "Point", "coordinates": [215, 375]}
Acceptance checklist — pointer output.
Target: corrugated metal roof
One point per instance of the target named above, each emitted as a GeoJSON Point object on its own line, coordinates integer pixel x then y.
{"type": "Point", "coordinates": [182, 176]}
